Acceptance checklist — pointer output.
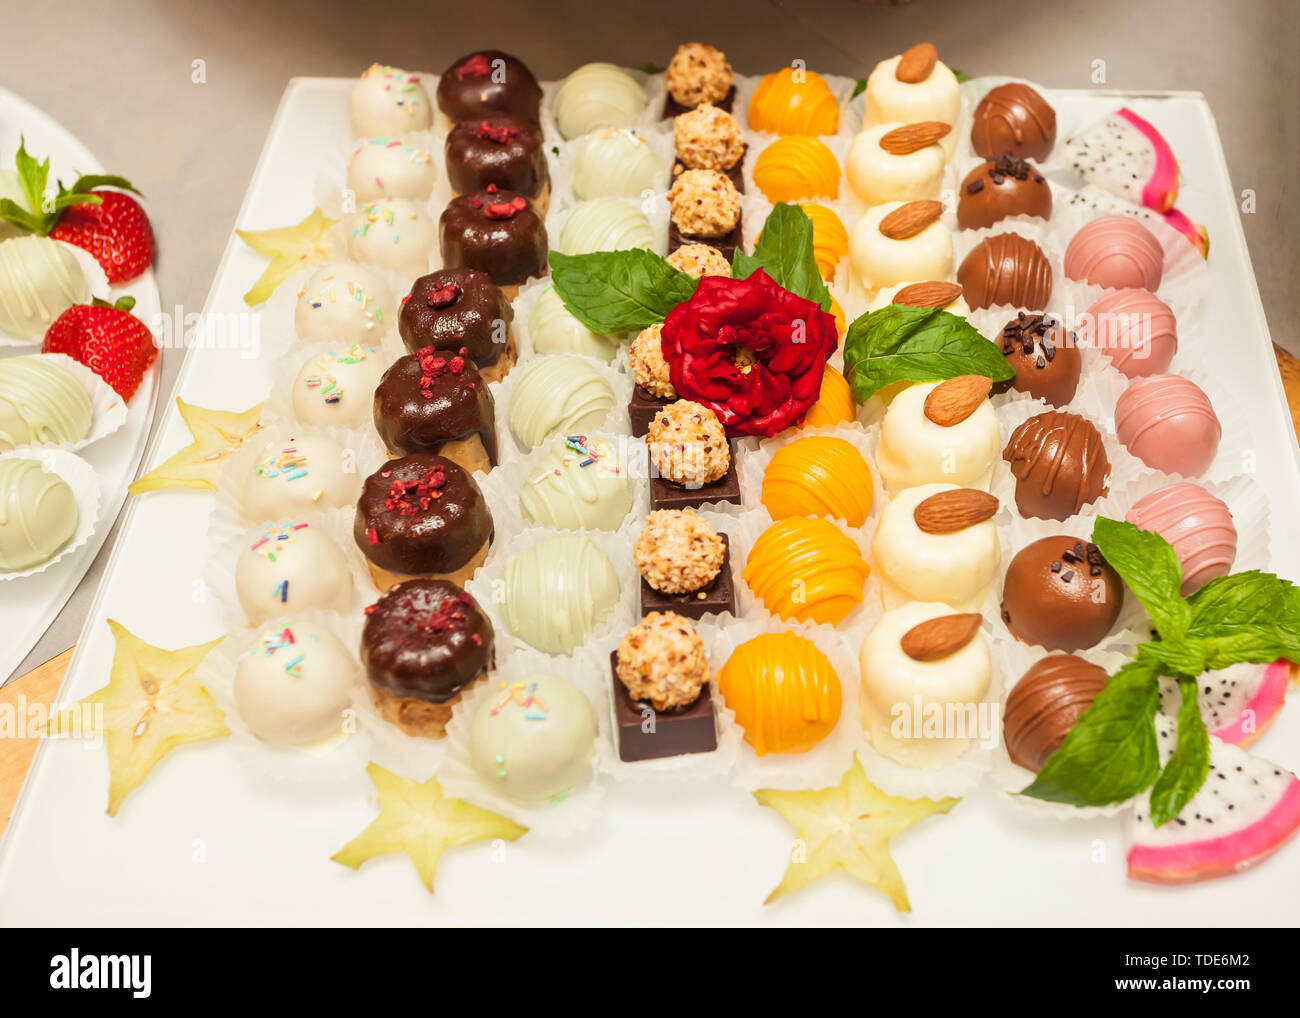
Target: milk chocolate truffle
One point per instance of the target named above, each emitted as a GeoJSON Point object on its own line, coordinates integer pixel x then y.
{"type": "Point", "coordinates": [422, 515]}
{"type": "Point", "coordinates": [495, 231]}
{"type": "Point", "coordinates": [457, 310]}
{"type": "Point", "coordinates": [1061, 594]}
{"type": "Point", "coordinates": [1013, 118]}
{"type": "Point", "coordinates": [1002, 187]}
{"type": "Point", "coordinates": [501, 150]}
{"type": "Point", "coordinates": [1044, 355]}
{"type": "Point", "coordinates": [487, 82]}
{"type": "Point", "coordinates": [1006, 269]}
{"type": "Point", "coordinates": [423, 643]}
{"type": "Point", "coordinates": [435, 401]}
{"type": "Point", "coordinates": [1046, 703]}
{"type": "Point", "coordinates": [1059, 464]}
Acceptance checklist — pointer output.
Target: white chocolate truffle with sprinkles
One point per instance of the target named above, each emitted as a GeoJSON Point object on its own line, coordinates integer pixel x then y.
{"type": "Point", "coordinates": [649, 368]}
{"type": "Point", "coordinates": [532, 738]}
{"type": "Point", "coordinates": [344, 303]}
{"type": "Point", "coordinates": [390, 168]}
{"type": "Point", "coordinates": [678, 552]}
{"type": "Point", "coordinates": [662, 661]}
{"type": "Point", "coordinates": [292, 475]}
{"type": "Point", "coordinates": [581, 483]}
{"type": "Point", "coordinates": [293, 687]}
{"type": "Point", "coordinates": [393, 233]}
{"type": "Point", "coordinates": [388, 101]}
{"type": "Point", "coordinates": [337, 388]}
{"type": "Point", "coordinates": [289, 568]}
{"type": "Point", "coordinates": [700, 260]}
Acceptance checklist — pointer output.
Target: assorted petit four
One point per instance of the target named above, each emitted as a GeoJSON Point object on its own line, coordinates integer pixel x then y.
{"type": "Point", "coordinates": [818, 476]}
{"type": "Point", "coordinates": [555, 592]}
{"type": "Point", "coordinates": [41, 403]}
{"type": "Point", "coordinates": [1061, 594]}
{"type": "Point", "coordinates": [794, 100]}
{"type": "Point", "coordinates": [293, 687]}
{"type": "Point", "coordinates": [488, 82]}
{"type": "Point", "coordinates": [502, 151]}
{"type": "Point", "coordinates": [653, 389]}
{"type": "Point", "coordinates": [424, 642]}
{"type": "Point", "coordinates": [797, 167]}
{"type": "Point", "coordinates": [1006, 269]}
{"type": "Point", "coordinates": [38, 513]}
{"type": "Point", "coordinates": [834, 403]}
{"type": "Point", "coordinates": [1167, 422]}
{"type": "Point", "coordinates": [806, 570]}
{"type": "Point", "coordinates": [560, 395]}
{"type": "Point", "coordinates": [690, 458]}
{"type": "Point", "coordinates": [464, 313]}
{"type": "Point", "coordinates": [605, 224]}
{"type": "Point", "coordinates": [614, 161]}
{"type": "Point", "coordinates": [1198, 525]}
{"type": "Point", "coordinates": [553, 329]}
{"type": "Point", "coordinates": [1015, 120]}
{"type": "Point", "coordinates": [685, 565]}
{"type": "Point", "coordinates": [291, 475]}
{"type": "Point", "coordinates": [533, 738]}
{"type": "Point", "coordinates": [343, 302]}
{"type": "Point", "coordinates": [662, 702]}
{"type": "Point", "coordinates": [39, 278]}
{"type": "Point", "coordinates": [898, 162]}
{"type": "Point", "coordinates": [1135, 329]}
{"type": "Point", "coordinates": [337, 388]}
{"type": "Point", "coordinates": [698, 75]}
{"type": "Point", "coordinates": [698, 261]}
{"type": "Point", "coordinates": [1045, 704]}
{"type": "Point", "coordinates": [1044, 356]}
{"type": "Point", "coordinates": [929, 293]}
{"type": "Point", "coordinates": [388, 101]}
{"type": "Point", "coordinates": [784, 691]}
{"type": "Point", "coordinates": [422, 515]}
{"type": "Point", "coordinates": [898, 241]}
{"type": "Point", "coordinates": [937, 542]}
{"type": "Point", "coordinates": [432, 401]}
{"type": "Point", "coordinates": [288, 568]}
{"type": "Point", "coordinates": [581, 483]}
{"type": "Point", "coordinates": [922, 662]}
{"type": "Point", "coordinates": [1060, 465]}
{"type": "Point", "coordinates": [708, 138]}
{"type": "Point", "coordinates": [496, 232]}
{"type": "Point", "coordinates": [913, 87]}
{"type": "Point", "coordinates": [939, 432]}
{"type": "Point", "coordinates": [392, 233]}
{"type": "Point", "coordinates": [597, 95]}
{"type": "Point", "coordinates": [704, 208]}
{"type": "Point", "coordinates": [390, 168]}
{"type": "Point", "coordinates": [1000, 188]}
{"type": "Point", "coordinates": [1116, 252]}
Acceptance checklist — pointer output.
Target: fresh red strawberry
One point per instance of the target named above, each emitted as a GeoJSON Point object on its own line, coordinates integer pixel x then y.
{"type": "Point", "coordinates": [116, 232]}
{"type": "Point", "coordinates": [108, 339]}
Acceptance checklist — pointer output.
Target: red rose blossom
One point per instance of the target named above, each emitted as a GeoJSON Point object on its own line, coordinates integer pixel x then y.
{"type": "Point", "coordinates": [750, 350]}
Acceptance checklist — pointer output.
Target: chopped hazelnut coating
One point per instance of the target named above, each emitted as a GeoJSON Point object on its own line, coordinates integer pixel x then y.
{"type": "Point", "coordinates": [648, 364]}
{"type": "Point", "coordinates": [699, 73]}
{"type": "Point", "coordinates": [678, 552]}
{"type": "Point", "coordinates": [708, 138]}
{"type": "Point", "coordinates": [704, 203]}
{"type": "Point", "coordinates": [700, 260]}
{"type": "Point", "coordinates": [688, 444]}
{"type": "Point", "coordinates": [661, 660]}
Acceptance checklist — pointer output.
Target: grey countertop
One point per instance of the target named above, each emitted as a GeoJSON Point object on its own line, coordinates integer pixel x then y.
{"type": "Point", "coordinates": [119, 76]}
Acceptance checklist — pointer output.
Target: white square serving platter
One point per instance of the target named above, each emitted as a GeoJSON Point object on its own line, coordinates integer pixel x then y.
{"type": "Point", "coordinates": [203, 843]}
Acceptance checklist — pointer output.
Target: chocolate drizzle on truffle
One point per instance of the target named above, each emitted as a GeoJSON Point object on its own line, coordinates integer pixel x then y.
{"type": "Point", "coordinates": [1013, 118]}
{"type": "Point", "coordinates": [1006, 269]}
{"type": "Point", "coordinates": [1059, 463]}
{"type": "Point", "coordinates": [1046, 703]}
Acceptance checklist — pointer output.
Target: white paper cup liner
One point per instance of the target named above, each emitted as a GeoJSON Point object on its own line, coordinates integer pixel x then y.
{"type": "Point", "coordinates": [572, 814]}
{"type": "Point", "coordinates": [81, 478]}
{"type": "Point", "coordinates": [107, 408]}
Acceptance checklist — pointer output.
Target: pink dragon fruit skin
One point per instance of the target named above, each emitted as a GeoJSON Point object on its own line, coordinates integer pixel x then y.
{"type": "Point", "coordinates": [1126, 156]}
{"type": "Point", "coordinates": [1194, 232]}
{"type": "Point", "coordinates": [1242, 718]}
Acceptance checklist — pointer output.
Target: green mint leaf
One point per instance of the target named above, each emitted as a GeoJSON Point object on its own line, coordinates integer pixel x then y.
{"type": "Point", "coordinates": [1188, 655]}
{"type": "Point", "coordinates": [1242, 600]}
{"type": "Point", "coordinates": [961, 76]}
{"type": "Point", "coordinates": [901, 343]}
{"type": "Point", "coordinates": [785, 252]}
{"type": "Point", "coordinates": [1248, 646]}
{"type": "Point", "coordinates": [1147, 563]}
{"type": "Point", "coordinates": [1110, 755]}
{"type": "Point", "coordinates": [91, 181]}
{"type": "Point", "coordinates": [859, 87]}
{"type": "Point", "coordinates": [617, 292]}
{"type": "Point", "coordinates": [1187, 769]}
{"type": "Point", "coordinates": [651, 69]}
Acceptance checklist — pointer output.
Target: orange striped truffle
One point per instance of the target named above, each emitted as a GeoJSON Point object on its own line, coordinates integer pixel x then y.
{"type": "Point", "coordinates": [784, 691]}
{"type": "Point", "coordinates": [806, 570]}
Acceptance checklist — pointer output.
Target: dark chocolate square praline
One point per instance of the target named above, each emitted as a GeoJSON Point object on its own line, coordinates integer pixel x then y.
{"type": "Point", "coordinates": [726, 245]}
{"type": "Point", "coordinates": [672, 108]}
{"type": "Point", "coordinates": [736, 173]}
{"type": "Point", "coordinates": [719, 594]}
{"type": "Point", "coordinates": [689, 729]}
{"type": "Point", "coordinates": [641, 410]}
{"type": "Point", "coordinates": [665, 494]}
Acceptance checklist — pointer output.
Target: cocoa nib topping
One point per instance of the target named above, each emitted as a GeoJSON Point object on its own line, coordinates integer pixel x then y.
{"type": "Point", "coordinates": [1035, 333]}
{"type": "Point", "coordinates": [1006, 165]}
{"type": "Point", "coordinates": [435, 364]}
{"type": "Point", "coordinates": [444, 296]}
{"type": "Point", "coordinates": [1077, 557]}
{"type": "Point", "coordinates": [407, 498]}
{"type": "Point", "coordinates": [476, 66]}
{"type": "Point", "coordinates": [500, 133]}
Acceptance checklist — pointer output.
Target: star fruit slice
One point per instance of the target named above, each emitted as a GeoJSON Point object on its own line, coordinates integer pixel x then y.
{"type": "Point", "coordinates": [290, 248]}
{"type": "Point", "coordinates": [217, 434]}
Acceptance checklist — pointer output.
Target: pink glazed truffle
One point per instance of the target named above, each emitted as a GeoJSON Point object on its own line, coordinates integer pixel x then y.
{"type": "Point", "coordinates": [1115, 252]}
{"type": "Point", "coordinates": [1167, 422]}
{"type": "Point", "coordinates": [1135, 329]}
{"type": "Point", "coordinates": [1198, 525]}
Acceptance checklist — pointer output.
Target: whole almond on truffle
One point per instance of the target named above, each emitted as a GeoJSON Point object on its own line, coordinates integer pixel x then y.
{"type": "Point", "coordinates": [930, 294]}
{"type": "Point", "coordinates": [909, 138]}
{"type": "Point", "coordinates": [947, 512]}
{"type": "Point", "coordinates": [910, 219]}
{"type": "Point", "coordinates": [951, 402]}
{"type": "Point", "coordinates": [917, 63]}
{"type": "Point", "coordinates": [939, 638]}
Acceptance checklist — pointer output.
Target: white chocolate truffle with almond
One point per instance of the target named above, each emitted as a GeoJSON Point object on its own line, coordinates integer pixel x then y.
{"type": "Point", "coordinates": [700, 260]}
{"type": "Point", "coordinates": [878, 175]}
{"type": "Point", "coordinates": [887, 295]}
{"type": "Point", "coordinates": [915, 450]}
{"type": "Point", "coordinates": [704, 203]}
{"type": "Point", "coordinates": [708, 138]}
{"type": "Point", "coordinates": [698, 73]}
{"type": "Point", "coordinates": [393, 233]}
{"type": "Point", "coordinates": [344, 303]}
{"type": "Point", "coordinates": [923, 560]}
{"type": "Point", "coordinates": [388, 101]}
{"type": "Point", "coordinates": [662, 661]}
{"type": "Point", "coordinates": [390, 168]}
{"type": "Point", "coordinates": [922, 713]}
{"type": "Point", "coordinates": [289, 568]}
{"type": "Point", "coordinates": [647, 359]}
{"type": "Point", "coordinates": [294, 686]}
{"type": "Point", "coordinates": [879, 260]}
{"type": "Point", "coordinates": [936, 97]}
{"type": "Point", "coordinates": [678, 552]}
{"type": "Point", "coordinates": [688, 444]}
{"type": "Point", "coordinates": [336, 389]}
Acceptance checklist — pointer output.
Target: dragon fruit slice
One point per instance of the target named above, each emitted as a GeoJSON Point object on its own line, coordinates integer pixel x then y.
{"type": "Point", "coordinates": [1095, 202]}
{"type": "Point", "coordinates": [1238, 703]}
{"type": "Point", "coordinates": [1194, 232]}
{"type": "Point", "coordinates": [1244, 812]}
{"type": "Point", "coordinates": [1125, 155]}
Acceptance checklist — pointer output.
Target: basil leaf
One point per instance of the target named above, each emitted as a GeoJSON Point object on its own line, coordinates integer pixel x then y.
{"type": "Point", "coordinates": [1187, 769]}
{"type": "Point", "coordinates": [785, 252]}
{"type": "Point", "coordinates": [1110, 754]}
{"type": "Point", "coordinates": [1147, 563]}
{"type": "Point", "coordinates": [1248, 600]}
{"type": "Point", "coordinates": [901, 343]}
{"type": "Point", "coordinates": [617, 292]}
